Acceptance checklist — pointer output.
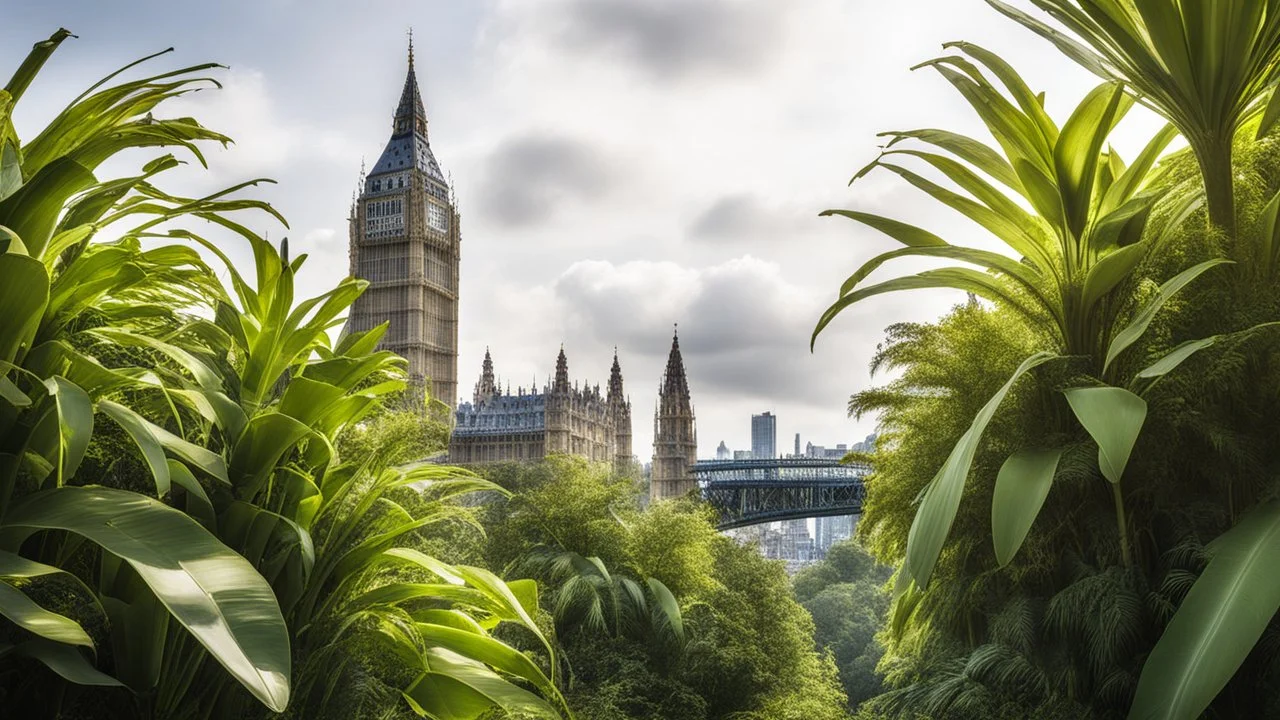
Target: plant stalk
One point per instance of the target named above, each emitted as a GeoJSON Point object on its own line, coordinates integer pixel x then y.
{"type": "Point", "coordinates": [1214, 157]}
{"type": "Point", "coordinates": [1125, 555]}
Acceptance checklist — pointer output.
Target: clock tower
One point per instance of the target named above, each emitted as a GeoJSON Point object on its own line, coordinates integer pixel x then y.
{"type": "Point", "coordinates": [406, 241]}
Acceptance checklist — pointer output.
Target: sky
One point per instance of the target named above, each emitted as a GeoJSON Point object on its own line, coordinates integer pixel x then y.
{"type": "Point", "coordinates": [621, 166]}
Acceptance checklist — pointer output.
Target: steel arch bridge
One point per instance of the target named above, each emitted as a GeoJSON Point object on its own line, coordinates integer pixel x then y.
{"type": "Point", "coordinates": [749, 492]}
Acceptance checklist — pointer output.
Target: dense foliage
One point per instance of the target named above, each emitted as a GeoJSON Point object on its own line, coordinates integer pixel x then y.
{"type": "Point", "coordinates": [736, 644]}
{"type": "Point", "coordinates": [844, 594]}
{"type": "Point", "coordinates": [179, 534]}
{"type": "Point", "coordinates": [1077, 473]}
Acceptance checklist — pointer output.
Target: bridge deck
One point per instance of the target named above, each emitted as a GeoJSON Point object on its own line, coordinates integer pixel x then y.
{"type": "Point", "coordinates": [748, 492]}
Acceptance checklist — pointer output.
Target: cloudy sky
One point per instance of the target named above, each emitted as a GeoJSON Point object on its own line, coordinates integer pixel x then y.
{"type": "Point", "coordinates": [621, 165]}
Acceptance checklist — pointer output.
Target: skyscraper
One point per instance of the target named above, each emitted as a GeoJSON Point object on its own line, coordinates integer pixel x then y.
{"type": "Point", "coordinates": [764, 436]}
{"type": "Point", "coordinates": [406, 242]}
{"type": "Point", "coordinates": [675, 439]}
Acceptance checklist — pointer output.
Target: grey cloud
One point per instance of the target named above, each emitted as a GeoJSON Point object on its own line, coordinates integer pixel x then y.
{"type": "Point", "coordinates": [744, 331]}
{"type": "Point", "coordinates": [673, 38]}
{"type": "Point", "coordinates": [526, 178]}
{"type": "Point", "coordinates": [735, 219]}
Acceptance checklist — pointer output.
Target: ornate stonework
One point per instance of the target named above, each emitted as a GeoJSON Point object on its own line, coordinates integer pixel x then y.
{"type": "Point", "coordinates": [406, 241]}
{"type": "Point", "coordinates": [675, 438]}
{"type": "Point", "coordinates": [529, 425]}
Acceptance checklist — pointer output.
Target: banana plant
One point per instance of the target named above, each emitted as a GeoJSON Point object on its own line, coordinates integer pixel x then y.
{"type": "Point", "coordinates": [435, 616]}
{"type": "Point", "coordinates": [1084, 239]}
{"type": "Point", "coordinates": [159, 572]}
{"type": "Point", "coordinates": [271, 388]}
{"type": "Point", "coordinates": [1207, 67]}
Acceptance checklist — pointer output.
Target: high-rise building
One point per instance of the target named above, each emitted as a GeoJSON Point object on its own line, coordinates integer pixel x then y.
{"type": "Point", "coordinates": [497, 426]}
{"type": "Point", "coordinates": [722, 452]}
{"type": "Point", "coordinates": [675, 438]}
{"type": "Point", "coordinates": [406, 242]}
{"type": "Point", "coordinates": [764, 436]}
{"type": "Point", "coordinates": [797, 452]}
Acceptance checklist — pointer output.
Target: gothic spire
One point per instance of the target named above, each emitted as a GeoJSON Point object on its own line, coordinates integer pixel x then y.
{"type": "Point", "coordinates": [674, 382]}
{"type": "Point", "coordinates": [562, 373]}
{"type": "Point", "coordinates": [615, 381]}
{"type": "Point", "coordinates": [487, 387]}
{"type": "Point", "coordinates": [410, 114]}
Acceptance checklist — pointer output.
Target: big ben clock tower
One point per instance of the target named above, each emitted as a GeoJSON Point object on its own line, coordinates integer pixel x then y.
{"type": "Point", "coordinates": [406, 242]}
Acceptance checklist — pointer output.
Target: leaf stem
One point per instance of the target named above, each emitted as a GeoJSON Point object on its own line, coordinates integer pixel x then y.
{"type": "Point", "coordinates": [1125, 556]}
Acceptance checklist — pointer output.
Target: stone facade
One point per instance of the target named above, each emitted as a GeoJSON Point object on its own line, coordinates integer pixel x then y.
{"type": "Point", "coordinates": [406, 241]}
{"type": "Point", "coordinates": [529, 425]}
{"type": "Point", "coordinates": [675, 438]}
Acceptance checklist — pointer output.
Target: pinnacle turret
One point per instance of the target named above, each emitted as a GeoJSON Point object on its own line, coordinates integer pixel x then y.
{"type": "Point", "coordinates": [674, 382]}
{"type": "Point", "coordinates": [410, 115]}
{"type": "Point", "coordinates": [562, 373]}
{"type": "Point", "coordinates": [675, 438]}
{"type": "Point", "coordinates": [487, 387]}
{"type": "Point", "coordinates": [615, 381]}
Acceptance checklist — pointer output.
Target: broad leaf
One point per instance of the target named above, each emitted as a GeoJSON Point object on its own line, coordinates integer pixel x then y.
{"type": "Point", "coordinates": [1136, 327]}
{"type": "Point", "coordinates": [1218, 623]}
{"type": "Point", "coordinates": [1113, 417]}
{"type": "Point", "coordinates": [458, 689]}
{"type": "Point", "coordinates": [212, 591]}
{"type": "Point", "coordinates": [938, 507]}
{"type": "Point", "coordinates": [1021, 487]}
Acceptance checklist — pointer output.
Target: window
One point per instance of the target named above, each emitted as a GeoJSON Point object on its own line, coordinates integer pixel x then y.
{"type": "Point", "coordinates": [437, 217]}
{"type": "Point", "coordinates": [384, 217]}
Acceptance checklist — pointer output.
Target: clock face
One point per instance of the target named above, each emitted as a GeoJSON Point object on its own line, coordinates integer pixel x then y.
{"type": "Point", "coordinates": [437, 217]}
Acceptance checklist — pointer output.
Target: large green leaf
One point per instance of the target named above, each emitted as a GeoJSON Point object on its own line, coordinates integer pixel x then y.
{"type": "Point", "coordinates": [65, 660]}
{"type": "Point", "coordinates": [1113, 417]}
{"type": "Point", "coordinates": [139, 430]}
{"type": "Point", "coordinates": [24, 292]}
{"type": "Point", "coordinates": [456, 688]}
{"type": "Point", "coordinates": [1076, 153]}
{"type": "Point", "coordinates": [1021, 487]}
{"type": "Point", "coordinates": [666, 608]}
{"type": "Point", "coordinates": [75, 424]}
{"type": "Point", "coordinates": [1138, 325]}
{"type": "Point", "coordinates": [1218, 623]}
{"type": "Point", "coordinates": [212, 591]}
{"type": "Point", "coordinates": [491, 652]}
{"type": "Point", "coordinates": [941, 499]}
{"type": "Point", "coordinates": [24, 612]}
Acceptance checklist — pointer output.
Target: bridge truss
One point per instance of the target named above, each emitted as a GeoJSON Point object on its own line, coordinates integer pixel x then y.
{"type": "Point", "coordinates": [749, 492]}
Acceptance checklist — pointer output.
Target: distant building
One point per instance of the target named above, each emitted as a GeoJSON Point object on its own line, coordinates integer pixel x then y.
{"type": "Point", "coordinates": [819, 451]}
{"type": "Point", "coordinates": [868, 445]}
{"type": "Point", "coordinates": [525, 426]}
{"type": "Point", "coordinates": [675, 437]}
{"type": "Point", "coordinates": [742, 455]}
{"type": "Point", "coordinates": [764, 436]}
{"type": "Point", "coordinates": [797, 445]}
{"type": "Point", "coordinates": [405, 240]}
{"type": "Point", "coordinates": [830, 530]}
{"type": "Point", "coordinates": [723, 452]}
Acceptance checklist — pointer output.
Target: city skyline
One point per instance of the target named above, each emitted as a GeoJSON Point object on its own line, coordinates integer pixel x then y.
{"type": "Point", "coordinates": [552, 117]}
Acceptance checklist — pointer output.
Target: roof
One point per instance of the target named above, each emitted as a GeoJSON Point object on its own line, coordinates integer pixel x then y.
{"type": "Point", "coordinates": [408, 147]}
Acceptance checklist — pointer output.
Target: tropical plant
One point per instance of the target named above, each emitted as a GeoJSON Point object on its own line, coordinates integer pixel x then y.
{"type": "Point", "coordinates": [1208, 68]}
{"type": "Point", "coordinates": [320, 530]}
{"type": "Point", "coordinates": [146, 566]}
{"type": "Point", "coordinates": [227, 409]}
{"type": "Point", "coordinates": [587, 598]}
{"type": "Point", "coordinates": [1086, 238]}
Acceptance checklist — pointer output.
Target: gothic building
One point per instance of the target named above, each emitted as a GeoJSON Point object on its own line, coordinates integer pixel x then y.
{"type": "Point", "coordinates": [523, 426]}
{"type": "Point", "coordinates": [406, 242]}
{"type": "Point", "coordinates": [675, 439]}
